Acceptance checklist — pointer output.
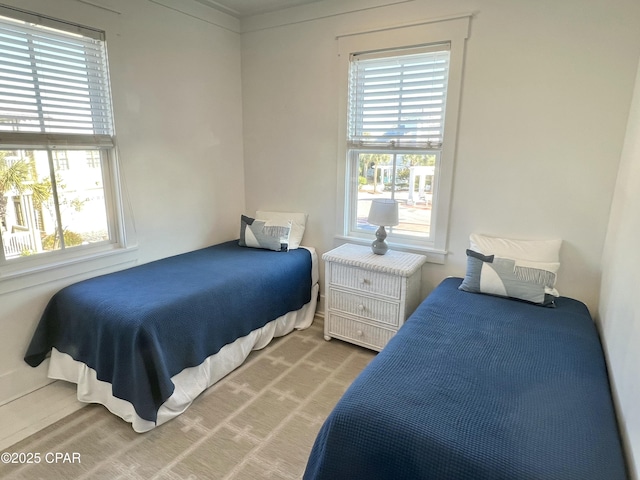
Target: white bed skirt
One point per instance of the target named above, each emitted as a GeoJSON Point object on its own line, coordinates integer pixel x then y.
{"type": "Point", "coordinates": [190, 382]}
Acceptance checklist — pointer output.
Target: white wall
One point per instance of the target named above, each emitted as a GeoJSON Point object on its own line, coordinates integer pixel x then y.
{"type": "Point", "coordinates": [546, 97]}
{"type": "Point", "coordinates": [178, 113]}
{"type": "Point", "coordinates": [619, 314]}
{"type": "Point", "coordinates": [546, 93]}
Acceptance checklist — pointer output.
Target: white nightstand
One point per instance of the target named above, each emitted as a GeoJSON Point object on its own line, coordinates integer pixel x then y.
{"type": "Point", "coordinates": [367, 296]}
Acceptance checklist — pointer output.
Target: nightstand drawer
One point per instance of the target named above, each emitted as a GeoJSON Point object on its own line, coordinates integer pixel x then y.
{"type": "Point", "coordinates": [358, 332]}
{"type": "Point", "coordinates": [365, 280]}
{"type": "Point", "coordinates": [367, 307]}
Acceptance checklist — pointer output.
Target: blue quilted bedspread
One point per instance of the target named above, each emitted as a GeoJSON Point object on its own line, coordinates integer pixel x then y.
{"type": "Point", "coordinates": [478, 387]}
{"type": "Point", "coordinates": [139, 327]}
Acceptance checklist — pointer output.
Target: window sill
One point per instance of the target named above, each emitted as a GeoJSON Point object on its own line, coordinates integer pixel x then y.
{"type": "Point", "coordinates": [433, 255]}
{"type": "Point", "coordinates": [13, 278]}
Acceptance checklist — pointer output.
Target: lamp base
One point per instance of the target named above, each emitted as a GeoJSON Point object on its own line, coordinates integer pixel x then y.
{"type": "Point", "coordinates": [379, 246]}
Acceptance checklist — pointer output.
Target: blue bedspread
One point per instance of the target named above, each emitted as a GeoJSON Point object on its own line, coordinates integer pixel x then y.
{"type": "Point", "coordinates": [478, 387]}
{"type": "Point", "coordinates": [139, 327]}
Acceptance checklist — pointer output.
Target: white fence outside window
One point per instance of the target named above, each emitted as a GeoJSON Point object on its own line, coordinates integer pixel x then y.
{"type": "Point", "coordinates": [16, 244]}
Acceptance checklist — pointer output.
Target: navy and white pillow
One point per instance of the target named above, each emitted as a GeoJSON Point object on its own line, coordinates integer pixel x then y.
{"type": "Point", "coordinates": [264, 234]}
{"type": "Point", "coordinates": [522, 269]}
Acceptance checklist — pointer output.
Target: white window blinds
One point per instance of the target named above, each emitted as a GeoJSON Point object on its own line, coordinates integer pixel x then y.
{"type": "Point", "coordinates": [397, 99]}
{"type": "Point", "coordinates": [53, 82]}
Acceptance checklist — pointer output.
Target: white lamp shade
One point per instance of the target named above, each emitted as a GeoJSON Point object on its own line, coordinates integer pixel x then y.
{"type": "Point", "coordinates": [383, 212]}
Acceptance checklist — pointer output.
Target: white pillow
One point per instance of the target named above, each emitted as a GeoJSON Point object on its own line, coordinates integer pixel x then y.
{"type": "Point", "coordinates": [298, 224]}
{"type": "Point", "coordinates": [542, 251]}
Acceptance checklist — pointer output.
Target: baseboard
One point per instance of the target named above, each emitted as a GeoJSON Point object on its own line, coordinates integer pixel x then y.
{"type": "Point", "coordinates": [320, 306]}
{"type": "Point", "coordinates": [26, 415]}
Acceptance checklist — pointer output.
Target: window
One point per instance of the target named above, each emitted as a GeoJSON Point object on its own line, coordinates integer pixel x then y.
{"type": "Point", "coordinates": [396, 120]}
{"type": "Point", "coordinates": [55, 114]}
{"type": "Point", "coordinates": [60, 160]}
{"type": "Point", "coordinates": [400, 114]}
{"type": "Point", "coordinates": [93, 159]}
{"type": "Point", "coordinates": [17, 205]}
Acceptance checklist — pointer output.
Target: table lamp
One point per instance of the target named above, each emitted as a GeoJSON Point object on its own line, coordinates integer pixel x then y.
{"type": "Point", "coordinates": [383, 212]}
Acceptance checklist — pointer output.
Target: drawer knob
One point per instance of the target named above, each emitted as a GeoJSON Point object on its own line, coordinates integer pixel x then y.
{"type": "Point", "coordinates": [359, 333]}
{"type": "Point", "coordinates": [361, 308]}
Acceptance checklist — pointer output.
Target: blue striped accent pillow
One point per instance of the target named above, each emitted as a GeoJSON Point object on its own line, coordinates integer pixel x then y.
{"type": "Point", "coordinates": [505, 278]}
{"type": "Point", "coordinates": [264, 234]}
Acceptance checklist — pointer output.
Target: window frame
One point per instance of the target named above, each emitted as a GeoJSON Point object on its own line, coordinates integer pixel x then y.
{"type": "Point", "coordinates": [19, 273]}
{"type": "Point", "coordinates": [451, 30]}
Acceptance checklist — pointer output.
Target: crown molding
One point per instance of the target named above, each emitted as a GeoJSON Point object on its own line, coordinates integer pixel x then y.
{"type": "Point", "coordinates": [205, 12]}
{"type": "Point", "coordinates": [310, 12]}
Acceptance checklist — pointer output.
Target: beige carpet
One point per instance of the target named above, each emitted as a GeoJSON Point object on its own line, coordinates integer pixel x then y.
{"type": "Point", "coordinates": [257, 423]}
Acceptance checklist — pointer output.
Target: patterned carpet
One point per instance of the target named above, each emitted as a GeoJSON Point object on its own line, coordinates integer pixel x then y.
{"type": "Point", "coordinates": [257, 423]}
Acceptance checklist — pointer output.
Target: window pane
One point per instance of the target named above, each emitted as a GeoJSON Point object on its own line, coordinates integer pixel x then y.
{"type": "Point", "coordinates": [81, 200]}
{"type": "Point", "coordinates": [41, 212]}
{"type": "Point", "coordinates": [407, 178]}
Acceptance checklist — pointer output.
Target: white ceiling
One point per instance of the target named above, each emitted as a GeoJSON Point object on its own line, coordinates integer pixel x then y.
{"type": "Point", "coordinates": [246, 8]}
